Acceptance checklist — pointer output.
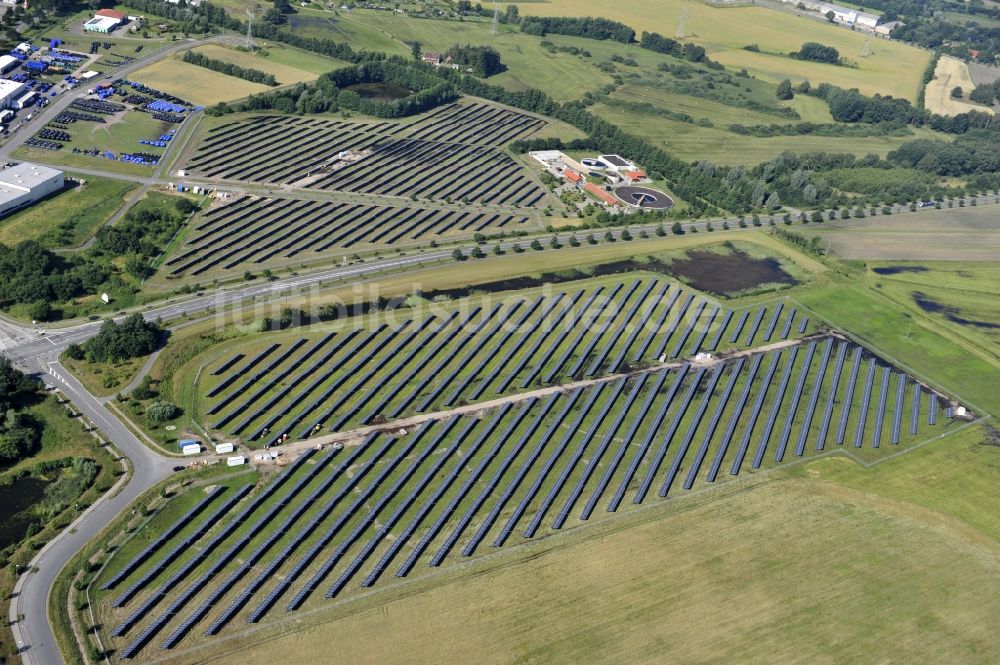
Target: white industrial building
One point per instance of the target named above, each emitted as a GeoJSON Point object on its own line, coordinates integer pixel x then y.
{"type": "Point", "coordinates": [25, 183]}
{"type": "Point", "coordinates": [10, 92]}
{"type": "Point", "coordinates": [7, 63]}
{"type": "Point", "coordinates": [841, 14]}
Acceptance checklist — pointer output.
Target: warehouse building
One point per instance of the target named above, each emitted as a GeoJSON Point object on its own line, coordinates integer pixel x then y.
{"type": "Point", "coordinates": [7, 63]}
{"type": "Point", "coordinates": [104, 21]}
{"type": "Point", "coordinates": [10, 92]}
{"type": "Point", "coordinates": [24, 184]}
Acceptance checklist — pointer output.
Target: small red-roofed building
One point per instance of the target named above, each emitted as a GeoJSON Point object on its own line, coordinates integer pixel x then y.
{"type": "Point", "coordinates": [604, 196]}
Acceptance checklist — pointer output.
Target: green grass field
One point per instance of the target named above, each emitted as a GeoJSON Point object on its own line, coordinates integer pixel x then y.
{"type": "Point", "coordinates": [692, 142]}
{"type": "Point", "coordinates": [119, 134]}
{"type": "Point", "coordinates": [893, 68]}
{"type": "Point", "coordinates": [288, 65]}
{"type": "Point", "coordinates": [81, 210]}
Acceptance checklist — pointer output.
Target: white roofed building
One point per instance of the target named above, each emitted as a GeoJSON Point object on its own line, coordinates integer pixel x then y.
{"type": "Point", "coordinates": [25, 183]}
{"type": "Point", "coordinates": [10, 92]}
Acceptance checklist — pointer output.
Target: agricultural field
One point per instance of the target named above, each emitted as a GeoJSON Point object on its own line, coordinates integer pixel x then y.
{"type": "Point", "coordinates": [893, 68]}
{"type": "Point", "coordinates": [529, 66]}
{"type": "Point", "coordinates": [448, 487]}
{"type": "Point", "coordinates": [288, 65]}
{"type": "Point", "coordinates": [69, 218]}
{"type": "Point", "coordinates": [451, 148]}
{"type": "Point", "coordinates": [951, 73]}
{"type": "Point", "coordinates": [958, 297]}
{"type": "Point", "coordinates": [965, 233]}
{"type": "Point", "coordinates": [200, 85]}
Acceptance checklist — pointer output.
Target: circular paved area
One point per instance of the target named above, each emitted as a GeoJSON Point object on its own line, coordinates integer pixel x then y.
{"type": "Point", "coordinates": [644, 197]}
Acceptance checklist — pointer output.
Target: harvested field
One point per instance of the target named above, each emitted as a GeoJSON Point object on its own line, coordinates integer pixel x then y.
{"type": "Point", "coordinates": [286, 64]}
{"type": "Point", "coordinates": [957, 234]}
{"type": "Point", "coordinates": [194, 83]}
{"type": "Point", "coordinates": [951, 73]}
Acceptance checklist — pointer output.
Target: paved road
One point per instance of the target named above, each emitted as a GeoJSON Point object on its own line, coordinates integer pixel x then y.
{"type": "Point", "coordinates": [33, 634]}
{"type": "Point", "coordinates": [38, 353]}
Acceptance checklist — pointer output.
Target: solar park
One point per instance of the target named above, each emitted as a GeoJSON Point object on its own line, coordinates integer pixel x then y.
{"type": "Point", "coordinates": [260, 232]}
{"type": "Point", "coordinates": [400, 504]}
{"type": "Point", "coordinates": [450, 154]}
{"type": "Point", "coordinates": [297, 384]}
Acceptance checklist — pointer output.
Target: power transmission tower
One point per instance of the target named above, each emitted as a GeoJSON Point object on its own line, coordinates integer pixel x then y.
{"type": "Point", "coordinates": [496, 20]}
{"type": "Point", "coordinates": [867, 51]}
{"type": "Point", "coordinates": [680, 23]}
{"type": "Point", "coordinates": [248, 43]}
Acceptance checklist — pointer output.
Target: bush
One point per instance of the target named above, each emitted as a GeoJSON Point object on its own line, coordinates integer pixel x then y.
{"type": "Point", "coordinates": [161, 412]}
{"type": "Point", "coordinates": [40, 310]}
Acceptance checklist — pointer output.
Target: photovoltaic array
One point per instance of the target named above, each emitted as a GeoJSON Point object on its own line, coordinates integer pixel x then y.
{"type": "Point", "coordinates": [335, 522]}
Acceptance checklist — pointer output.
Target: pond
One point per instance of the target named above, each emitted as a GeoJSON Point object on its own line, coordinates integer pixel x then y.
{"type": "Point", "coordinates": [728, 274]}
{"type": "Point", "coordinates": [16, 499]}
{"type": "Point", "coordinates": [380, 90]}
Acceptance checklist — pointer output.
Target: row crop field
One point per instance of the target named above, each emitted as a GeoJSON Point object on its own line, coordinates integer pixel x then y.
{"type": "Point", "coordinates": [336, 522]}
{"type": "Point", "coordinates": [357, 373]}
{"type": "Point", "coordinates": [263, 232]}
{"type": "Point", "coordinates": [450, 154]}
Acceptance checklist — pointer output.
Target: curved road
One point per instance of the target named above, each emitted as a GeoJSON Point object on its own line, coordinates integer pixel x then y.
{"type": "Point", "coordinates": [37, 352]}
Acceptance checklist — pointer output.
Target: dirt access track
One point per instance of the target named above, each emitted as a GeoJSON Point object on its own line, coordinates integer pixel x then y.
{"type": "Point", "coordinates": [949, 73]}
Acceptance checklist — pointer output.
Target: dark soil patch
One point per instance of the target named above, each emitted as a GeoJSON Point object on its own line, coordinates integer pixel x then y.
{"type": "Point", "coordinates": [572, 275]}
{"type": "Point", "coordinates": [953, 314]}
{"type": "Point", "coordinates": [895, 270]}
{"type": "Point", "coordinates": [722, 274]}
{"type": "Point", "coordinates": [380, 90]}
{"type": "Point", "coordinates": [727, 274]}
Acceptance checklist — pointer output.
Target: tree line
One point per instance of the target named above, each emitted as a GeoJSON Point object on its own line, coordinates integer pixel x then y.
{"type": "Point", "coordinates": [229, 69]}
{"type": "Point", "coordinates": [589, 27]}
{"type": "Point", "coordinates": [817, 52]}
{"type": "Point", "coordinates": [654, 41]}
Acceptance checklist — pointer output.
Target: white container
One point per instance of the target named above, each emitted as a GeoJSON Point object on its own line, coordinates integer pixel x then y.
{"type": "Point", "coordinates": [264, 457]}
{"type": "Point", "coordinates": [238, 460]}
{"type": "Point", "coordinates": [192, 449]}
{"type": "Point", "coordinates": [224, 448]}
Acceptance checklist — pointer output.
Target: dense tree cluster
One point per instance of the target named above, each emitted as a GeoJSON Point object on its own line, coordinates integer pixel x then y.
{"type": "Point", "coordinates": [483, 60]}
{"type": "Point", "coordinates": [986, 93]}
{"type": "Point", "coordinates": [191, 18]}
{"type": "Point", "coordinates": [229, 69]}
{"type": "Point", "coordinates": [817, 53]}
{"type": "Point", "coordinates": [142, 234]}
{"type": "Point", "coordinates": [134, 337]}
{"type": "Point", "coordinates": [430, 90]}
{"type": "Point", "coordinates": [20, 433]}
{"type": "Point", "coordinates": [852, 106]}
{"type": "Point", "coordinates": [972, 153]}
{"type": "Point", "coordinates": [656, 42]}
{"type": "Point", "coordinates": [589, 27]}
{"type": "Point", "coordinates": [30, 273]}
